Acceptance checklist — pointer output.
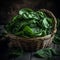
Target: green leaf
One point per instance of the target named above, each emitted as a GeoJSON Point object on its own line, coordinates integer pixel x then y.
{"type": "Point", "coordinates": [53, 51]}
{"type": "Point", "coordinates": [40, 33]}
{"type": "Point", "coordinates": [28, 13]}
{"type": "Point", "coordinates": [24, 10]}
{"type": "Point", "coordinates": [56, 40]}
{"type": "Point", "coordinates": [45, 53]}
{"type": "Point", "coordinates": [41, 14]}
{"type": "Point", "coordinates": [15, 18]}
{"type": "Point", "coordinates": [25, 13]}
{"type": "Point", "coordinates": [45, 23]}
{"type": "Point", "coordinates": [28, 31]}
{"type": "Point", "coordinates": [50, 20]}
{"type": "Point", "coordinates": [15, 52]}
{"type": "Point", "coordinates": [21, 33]}
{"type": "Point", "coordinates": [32, 23]}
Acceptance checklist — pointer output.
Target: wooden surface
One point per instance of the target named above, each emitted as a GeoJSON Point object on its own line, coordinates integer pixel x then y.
{"type": "Point", "coordinates": [26, 56]}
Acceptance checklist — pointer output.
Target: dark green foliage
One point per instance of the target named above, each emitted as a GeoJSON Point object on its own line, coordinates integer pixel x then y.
{"type": "Point", "coordinates": [15, 52]}
{"type": "Point", "coordinates": [57, 36]}
{"type": "Point", "coordinates": [45, 53]}
{"type": "Point", "coordinates": [30, 24]}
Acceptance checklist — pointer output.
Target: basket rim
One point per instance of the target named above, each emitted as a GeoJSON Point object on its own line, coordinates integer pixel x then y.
{"type": "Point", "coordinates": [12, 36]}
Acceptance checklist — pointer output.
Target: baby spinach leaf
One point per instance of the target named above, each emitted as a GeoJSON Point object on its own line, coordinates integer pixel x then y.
{"type": "Point", "coordinates": [45, 23]}
{"type": "Point", "coordinates": [28, 13]}
{"type": "Point", "coordinates": [15, 18]}
{"type": "Point", "coordinates": [53, 51]}
{"type": "Point", "coordinates": [28, 31]}
{"type": "Point", "coordinates": [34, 15]}
{"type": "Point", "coordinates": [50, 20]}
{"type": "Point", "coordinates": [25, 13]}
{"type": "Point", "coordinates": [41, 14]}
{"type": "Point", "coordinates": [32, 23]}
{"type": "Point", "coordinates": [24, 10]}
{"type": "Point", "coordinates": [40, 33]}
{"type": "Point", "coordinates": [45, 53]}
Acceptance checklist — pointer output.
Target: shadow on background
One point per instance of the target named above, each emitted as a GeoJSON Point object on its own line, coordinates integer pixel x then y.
{"type": "Point", "coordinates": [9, 8]}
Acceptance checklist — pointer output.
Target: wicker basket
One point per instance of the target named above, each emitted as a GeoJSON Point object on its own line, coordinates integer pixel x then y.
{"type": "Point", "coordinates": [33, 44]}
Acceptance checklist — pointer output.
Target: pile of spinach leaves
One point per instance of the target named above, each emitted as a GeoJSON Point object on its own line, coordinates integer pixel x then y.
{"type": "Point", "coordinates": [29, 23]}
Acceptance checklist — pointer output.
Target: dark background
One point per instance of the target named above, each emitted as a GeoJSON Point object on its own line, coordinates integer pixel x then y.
{"type": "Point", "coordinates": [9, 8]}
